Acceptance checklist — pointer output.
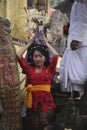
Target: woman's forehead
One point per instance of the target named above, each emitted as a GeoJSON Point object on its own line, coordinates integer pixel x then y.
{"type": "Point", "coordinates": [37, 52]}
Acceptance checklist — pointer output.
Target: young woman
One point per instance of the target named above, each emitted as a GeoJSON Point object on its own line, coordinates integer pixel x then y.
{"type": "Point", "coordinates": [38, 101]}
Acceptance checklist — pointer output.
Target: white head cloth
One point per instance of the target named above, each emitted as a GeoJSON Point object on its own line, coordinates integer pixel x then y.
{"type": "Point", "coordinates": [78, 23]}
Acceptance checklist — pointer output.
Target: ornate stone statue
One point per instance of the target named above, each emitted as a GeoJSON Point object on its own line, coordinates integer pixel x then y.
{"type": "Point", "coordinates": [9, 81]}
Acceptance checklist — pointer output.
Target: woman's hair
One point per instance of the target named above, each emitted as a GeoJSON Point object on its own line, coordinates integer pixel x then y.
{"type": "Point", "coordinates": [54, 126]}
{"type": "Point", "coordinates": [42, 49]}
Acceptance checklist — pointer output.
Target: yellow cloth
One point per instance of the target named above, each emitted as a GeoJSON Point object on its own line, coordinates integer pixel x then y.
{"type": "Point", "coordinates": [30, 88]}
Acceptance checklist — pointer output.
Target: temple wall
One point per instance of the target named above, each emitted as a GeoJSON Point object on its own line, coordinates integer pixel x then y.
{"type": "Point", "coordinates": [3, 8]}
{"type": "Point", "coordinates": [14, 11]}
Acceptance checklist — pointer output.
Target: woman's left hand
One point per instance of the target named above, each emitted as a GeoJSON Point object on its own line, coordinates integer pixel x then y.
{"type": "Point", "coordinates": [52, 50]}
{"type": "Point", "coordinates": [42, 37]}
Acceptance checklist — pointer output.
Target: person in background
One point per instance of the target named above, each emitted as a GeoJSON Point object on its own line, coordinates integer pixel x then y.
{"type": "Point", "coordinates": [38, 100]}
{"type": "Point", "coordinates": [73, 69]}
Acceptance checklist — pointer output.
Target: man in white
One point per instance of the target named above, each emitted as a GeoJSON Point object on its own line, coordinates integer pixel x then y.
{"type": "Point", "coordinates": [73, 69]}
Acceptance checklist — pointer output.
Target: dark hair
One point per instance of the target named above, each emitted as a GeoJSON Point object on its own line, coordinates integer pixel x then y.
{"type": "Point", "coordinates": [54, 126]}
{"type": "Point", "coordinates": [42, 49]}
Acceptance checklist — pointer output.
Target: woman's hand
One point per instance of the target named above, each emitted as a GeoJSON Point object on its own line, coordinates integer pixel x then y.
{"type": "Point", "coordinates": [42, 37]}
{"type": "Point", "coordinates": [32, 36]}
{"type": "Point", "coordinates": [74, 45]}
{"type": "Point", "coordinates": [52, 50]}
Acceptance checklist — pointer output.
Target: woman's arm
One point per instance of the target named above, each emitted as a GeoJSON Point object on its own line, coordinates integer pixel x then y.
{"type": "Point", "coordinates": [21, 51]}
{"type": "Point", "coordinates": [52, 50]}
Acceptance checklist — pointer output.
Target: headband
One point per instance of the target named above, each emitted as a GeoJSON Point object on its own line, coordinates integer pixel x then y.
{"type": "Point", "coordinates": [38, 46]}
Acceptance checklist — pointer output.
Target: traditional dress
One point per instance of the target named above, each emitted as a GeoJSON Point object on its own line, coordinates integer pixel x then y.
{"type": "Point", "coordinates": [38, 100]}
{"type": "Point", "coordinates": [73, 70]}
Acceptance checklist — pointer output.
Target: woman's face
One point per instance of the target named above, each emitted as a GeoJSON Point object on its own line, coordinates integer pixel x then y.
{"type": "Point", "coordinates": [38, 58]}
